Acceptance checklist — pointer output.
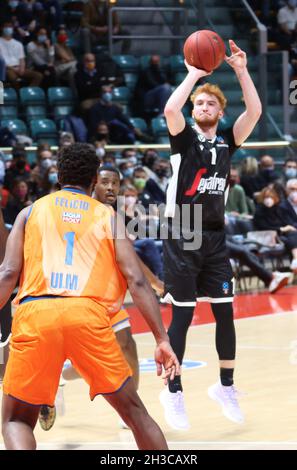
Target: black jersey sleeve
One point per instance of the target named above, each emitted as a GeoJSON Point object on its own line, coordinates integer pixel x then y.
{"type": "Point", "coordinates": [228, 137]}
{"type": "Point", "coordinates": [181, 142]}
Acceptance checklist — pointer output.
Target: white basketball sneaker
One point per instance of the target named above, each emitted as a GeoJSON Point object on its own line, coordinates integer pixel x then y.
{"type": "Point", "coordinates": [174, 407]}
{"type": "Point", "coordinates": [227, 398]}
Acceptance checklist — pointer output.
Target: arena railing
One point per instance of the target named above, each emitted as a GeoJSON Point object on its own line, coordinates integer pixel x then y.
{"type": "Point", "coordinates": [178, 10]}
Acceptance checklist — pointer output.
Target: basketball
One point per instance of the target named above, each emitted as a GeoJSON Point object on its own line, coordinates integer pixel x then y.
{"type": "Point", "coordinates": [204, 50]}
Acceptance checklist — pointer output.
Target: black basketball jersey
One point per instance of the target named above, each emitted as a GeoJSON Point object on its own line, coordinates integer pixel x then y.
{"type": "Point", "coordinates": [200, 174]}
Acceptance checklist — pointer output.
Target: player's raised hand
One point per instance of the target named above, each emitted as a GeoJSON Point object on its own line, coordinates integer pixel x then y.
{"type": "Point", "coordinates": [237, 60]}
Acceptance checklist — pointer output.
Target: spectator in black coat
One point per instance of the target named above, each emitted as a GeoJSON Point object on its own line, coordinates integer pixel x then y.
{"type": "Point", "coordinates": [121, 131]}
{"type": "Point", "coordinates": [271, 216]}
{"type": "Point", "coordinates": [152, 89]}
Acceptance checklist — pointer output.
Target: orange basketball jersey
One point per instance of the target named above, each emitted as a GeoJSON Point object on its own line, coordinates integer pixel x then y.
{"type": "Point", "coordinates": [69, 251]}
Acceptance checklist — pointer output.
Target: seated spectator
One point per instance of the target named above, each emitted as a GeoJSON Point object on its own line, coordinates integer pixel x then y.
{"type": "Point", "coordinates": [19, 168]}
{"type": "Point", "coordinates": [109, 159]}
{"type": "Point", "coordinates": [255, 177]}
{"type": "Point", "coordinates": [287, 21]}
{"type": "Point", "coordinates": [237, 203]}
{"type": "Point", "coordinates": [126, 170]}
{"type": "Point", "coordinates": [65, 61]}
{"type": "Point", "coordinates": [27, 18]}
{"type": "Point", "coordinates": [289, 205]}
{"type": "Point", "coordinates": [267, 173]}
{"type": "Point", "coordinates": [272, 280]}
{"type": "Point", "coordinates": [156, 186]}
{"type": "Point", "coordinates": [95, 26]}
{"type": "Point", "coordinates": [111, 73]}
{"type": "Point", "coordinates": [45, 160]}
{"type": "Point", "coordinates": [139, 179]}
{"type": "Point", "coordinates": [270, 215]}
{"type": "Point", "coordinates": [289, 169]}
{"type": "Point", "coordinates": [18, 199]}
{"type": "Point", "coordinates": [41, 56]}
{"type": "Point", "coordinates": [148, 160]}
{"type": "Point", "coordinates": [88, 82]}
{"type": "Point", "coordinates": [53, 16]}
{"type": "Point", "coordinates": [13, 53]}
{"type": "Point", "coordinates": [152, 89]}
{"type": "Point", "coordinates": [101, 139]}
{"type": "Point", "coordinates": [146, 248]}
{"type": "Point", "coordinates": [121, 131]}
{"type": "Point", "coordinates": [129, 155]}
{"type": "Point", "coordinates": [50, 181]}
{"type": "Point", "coordinates": [66, 138]}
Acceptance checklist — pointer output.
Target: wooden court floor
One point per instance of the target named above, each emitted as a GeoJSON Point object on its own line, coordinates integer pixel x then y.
{"type": "Point", "coordinates": [266, 373]}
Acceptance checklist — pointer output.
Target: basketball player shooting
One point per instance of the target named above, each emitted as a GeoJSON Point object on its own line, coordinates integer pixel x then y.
{"type": "Point", "coordinates": [201, 165]}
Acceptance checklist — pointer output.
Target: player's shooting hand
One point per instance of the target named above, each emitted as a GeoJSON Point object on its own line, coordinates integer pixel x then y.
{"type": "Point", "coordinates": [237, 60]}
{"type": "Point", "coordinates": [165, 357]}
{"type": "Point", "coordinates": [200, 72]}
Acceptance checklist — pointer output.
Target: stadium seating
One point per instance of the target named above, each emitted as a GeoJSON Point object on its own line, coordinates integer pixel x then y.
{"type": "Point", "coordinates": [15, 125]}
{"type": "Point", "coordinates": [32, 96]}
{"type": "Point", "coordinates": [60, 96]}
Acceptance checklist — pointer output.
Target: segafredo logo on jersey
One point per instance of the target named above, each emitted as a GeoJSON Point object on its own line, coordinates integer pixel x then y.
{"type": "Point", "coordinates": [71, 217]}
{"type": "Point", "coordinates": [212, 184]}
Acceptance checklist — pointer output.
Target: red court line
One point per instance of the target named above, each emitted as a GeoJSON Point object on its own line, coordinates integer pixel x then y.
{"type": "Point", "coordinates": [245, 305]}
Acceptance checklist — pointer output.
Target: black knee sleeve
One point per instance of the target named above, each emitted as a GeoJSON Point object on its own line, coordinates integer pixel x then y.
{"type": "Point", "coordinates": [181, 320]}
{"type": "Point", "coordinates": [225, 331]}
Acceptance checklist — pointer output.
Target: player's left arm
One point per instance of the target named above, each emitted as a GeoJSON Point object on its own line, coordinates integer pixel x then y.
{"type": "Point", "coordinates": [13, 260]}
{"type": "Point", "coordinates": [246, 122]}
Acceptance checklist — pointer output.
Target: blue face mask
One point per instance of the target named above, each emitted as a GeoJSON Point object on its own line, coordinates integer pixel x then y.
{"type": "Point", "coordinates": [8, 31]}
{"type": "Point", "coordinates": [53, 178]}
{"type": "Point", "coordinates": [128, 172]}
{"type": "Point", "coordinates": [41, 38]}
{"type": "Point", "coordinates": [13, 3]}
{"type": "Point", "coordinates": [291, 173]}
{"type": "Point", "coordinates": [107, 97]}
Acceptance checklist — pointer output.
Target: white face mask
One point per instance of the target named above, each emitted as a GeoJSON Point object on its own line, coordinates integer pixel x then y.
{"type": "Point", "coordinates": [100, 152]}
{"type": "Point", "coordinates": [293, 197]}
{"type": "Point", "coordinates": [130, 200]}
{"type": "Point", "coordinates": [268, 201]}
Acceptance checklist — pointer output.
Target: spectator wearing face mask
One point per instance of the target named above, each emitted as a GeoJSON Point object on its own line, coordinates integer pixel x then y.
{"type": "Point", "coordinates": [270, 215]}
{"type": "Point", "coordinates": [41, 56]}
{"type": "Point", "coordinates": [101, 139]}
{"type": "Point", "coordinates": [17, 200]}
{"type": "Point", "coordinates": [126, 170]}
{"type": "Point", "coordinates": [156, 185]}
{"type": "Point", "coordinates": [237, 203]}
{"type": "Point", "coordinates": [19, 168]}
{"type": "Point", "coordinates": [121, 131]}
{"type": "Point", "coordinates": [65, 61]}
{"type": "Point", "coordinates": [88, 82]}
{"type": "Point", "coordinates": [152, 89]}
{"type": "Point", "coordinates": [289, 205]}
{"type": "Point", "coordinates": [50, 181]}
{"type": "Point", "coordinates": [289, 170]}
{"type": "Point", "coordinates": [44, 161]}
{"type": "Point", "coordinates": [146, 248]}
{"type": "Point", "coordinates": [139, 180]}
{"type": "Point", "coordinates": [12, 52]}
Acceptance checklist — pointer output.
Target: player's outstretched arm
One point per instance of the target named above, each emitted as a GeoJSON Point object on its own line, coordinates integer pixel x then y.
{"type": "Point", "coordinates": [246, 122]}
{"type": "Point", "coordinates": [144, 299]}
{"type": "Point", "coordinates": [3, 236]}
{"type": "Point", "coordinates": [173, 108]}
{"type": "Point", "coordinates": [13, 260]}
